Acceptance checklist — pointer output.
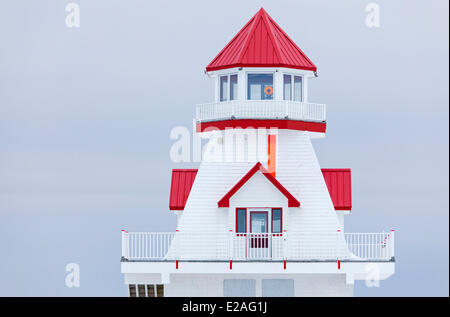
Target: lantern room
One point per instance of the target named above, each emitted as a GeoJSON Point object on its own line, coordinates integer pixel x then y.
{"type": "Point", "coordinates": [261, 80]}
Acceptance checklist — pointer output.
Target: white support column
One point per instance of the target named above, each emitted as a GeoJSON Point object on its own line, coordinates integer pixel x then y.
{"type": "Point", "coordinates": [216, 88]}
{"type": "Point", "coordinates": [305, 88]}
{"type": "Point", "coordinates": [278, 85]}
{"type": "Point", "coordinates": [241, 85]}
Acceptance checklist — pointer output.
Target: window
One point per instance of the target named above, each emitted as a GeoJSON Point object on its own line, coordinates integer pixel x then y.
{"type": "Point", "coordinates": [287, 86]}
{"type": "Point", "coordinates": [239, 288]}
{"type": "Point", "coordinates": [241, 220]}
{"type": "Point", "coordinates": [233, 87]}
{"type": "Point", "coordinates": [277, 288]}
{"type": "Point", "coordinates": [276, 220]}
{"type": "Point", "coordinates": [223, 88]}
{"type": "Point", "coordinates": [292, 88]}
{"type": "Point", "coordinates": [260, 87]}
{"type": "Point", "coordinates": [228, 87]}
{"type": "Point", "coordinates": [298, 88]}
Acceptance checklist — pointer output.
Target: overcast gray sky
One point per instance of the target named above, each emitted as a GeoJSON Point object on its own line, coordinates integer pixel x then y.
{"type": "Point", "coordinates": [85, 116]}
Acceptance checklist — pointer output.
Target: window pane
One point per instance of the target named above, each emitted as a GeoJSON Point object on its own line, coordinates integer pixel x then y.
{"type": "Point", "coordinates": [276, 220]}
{"type": "Point", "coordinates": [223, 88]}
{"type": "Point", "coordinates": [239, 288]}
{"type": "Point", "coordinates": [287, 87]}
{"type": "Point", "coordinates": [298, 88]}
{"type": "Point", "coordinates": [260, 86]}
{"type": "Point", "coordinates": [258, 222]}
{"type": "Point", "coordinates": [233, 87]}
{"type": "Point", "coordinates": [240, 221]}
{"type": "Point", "coordinates": [277, 288]}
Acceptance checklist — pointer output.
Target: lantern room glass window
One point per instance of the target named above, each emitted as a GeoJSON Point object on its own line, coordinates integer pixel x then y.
{"type": "Point", "coordinates": [260, 87]}
{"type": "Point", "coordinates": [223, 88]}
{"type": "Point", "coordinates": [228, 87]}
{"type": "Point", "coordinates": [292, 87]}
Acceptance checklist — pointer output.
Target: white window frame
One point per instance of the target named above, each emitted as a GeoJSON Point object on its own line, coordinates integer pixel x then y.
{"type": "Point", "coordinates": [229, 86]}
{"type": "Point", "coordinates": [292, 86]}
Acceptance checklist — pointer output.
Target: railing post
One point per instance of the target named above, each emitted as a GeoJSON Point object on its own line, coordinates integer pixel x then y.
{"type": "Point", "coordinates": [285, 245]}
{"type": "Point", "coordinates": [230, 246]}
{"type": "Point", "coordinates": [391, 244]}
{"type": "Point", "coordinates": [125, 245]}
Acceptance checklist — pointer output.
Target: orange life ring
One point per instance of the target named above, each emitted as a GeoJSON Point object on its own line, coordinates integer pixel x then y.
{"type": "Point", "coordinates": [268, 90]}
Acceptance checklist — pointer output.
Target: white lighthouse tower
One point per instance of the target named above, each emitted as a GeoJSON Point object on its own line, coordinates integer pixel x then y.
{"type": "Point", "coordinates": [259, 217]}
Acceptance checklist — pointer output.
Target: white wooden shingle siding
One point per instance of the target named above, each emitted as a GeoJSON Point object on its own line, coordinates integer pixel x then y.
{"type": "Point", "coordinates": [297, 170]}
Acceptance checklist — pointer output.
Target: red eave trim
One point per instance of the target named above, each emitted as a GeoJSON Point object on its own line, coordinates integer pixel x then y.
{"type": "Point", "coordinates": [267, 124]}
{"type": "Point", "coordinates": [214, 68]}
{"type": "Point", "coordinates": [225, 201]}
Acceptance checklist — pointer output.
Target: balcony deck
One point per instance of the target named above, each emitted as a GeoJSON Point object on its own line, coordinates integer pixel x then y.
{"type": "Point", "coordinates": [162, 246]}
{"type": "Point", "coordinates": [261, 109]}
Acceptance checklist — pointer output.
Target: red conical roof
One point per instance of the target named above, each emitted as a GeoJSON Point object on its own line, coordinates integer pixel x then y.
{"type": "Point", "coordinates": [261, 43]}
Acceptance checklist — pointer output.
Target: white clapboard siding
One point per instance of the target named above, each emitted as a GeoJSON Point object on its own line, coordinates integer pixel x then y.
{"type": "Point", "coordinates": [201, 216]}
{"type": "Point", "coordinates": [297, 169]}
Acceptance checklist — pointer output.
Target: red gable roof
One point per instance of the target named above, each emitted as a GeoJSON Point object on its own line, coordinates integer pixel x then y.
{"type": "Point", "coordinates": [225, 201]}
{"type": "Point", "coordinates": [338, 183]}
{"type": "Point", "coordinates": [261, 43]}
{"type": "Point", "coordinates": [182, 181]}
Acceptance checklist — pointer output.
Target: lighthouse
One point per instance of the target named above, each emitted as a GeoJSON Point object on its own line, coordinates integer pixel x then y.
{"type": "Point", "coordinates": [259, 216]}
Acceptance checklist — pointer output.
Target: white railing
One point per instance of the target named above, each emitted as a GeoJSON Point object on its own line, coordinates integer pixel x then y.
{"type": "Point", "coordinates": [371, 246]}
{"type": "Point", "coordinates": [257, 246]}
{"type": "Point", "coordinates": [261, 109]}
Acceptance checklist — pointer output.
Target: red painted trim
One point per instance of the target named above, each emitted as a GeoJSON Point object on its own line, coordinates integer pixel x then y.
{"type": "Point", "coordinates": [272, 153]}
{"type": "Point", "coordinates": [267, 220]}
{"type": "Point", "coordinates": [281, 220]}
{"type": "Point", "coordinates": [225, 201]}
{"type": "Point", "coordinates": [210, 69]}
{"type": "Point", "coordinates": [244, 218]}
{"type": "Point", "coordinates": [267, 124]}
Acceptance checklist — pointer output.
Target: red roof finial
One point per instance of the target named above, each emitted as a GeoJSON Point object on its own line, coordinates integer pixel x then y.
{"type": "Point", "coordinates": [261, 43]}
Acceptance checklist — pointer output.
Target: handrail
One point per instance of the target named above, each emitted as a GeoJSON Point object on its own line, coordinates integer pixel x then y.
{"type": "Point", "coordinates": [257, 246]}
{"type": "Point", "coordinates": [261, 109]}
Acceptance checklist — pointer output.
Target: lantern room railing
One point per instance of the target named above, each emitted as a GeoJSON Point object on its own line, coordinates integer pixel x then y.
{"type": "Point", "coordinates": [162, 246]}
{"type": "Point", "coordinates": [261, 109]}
